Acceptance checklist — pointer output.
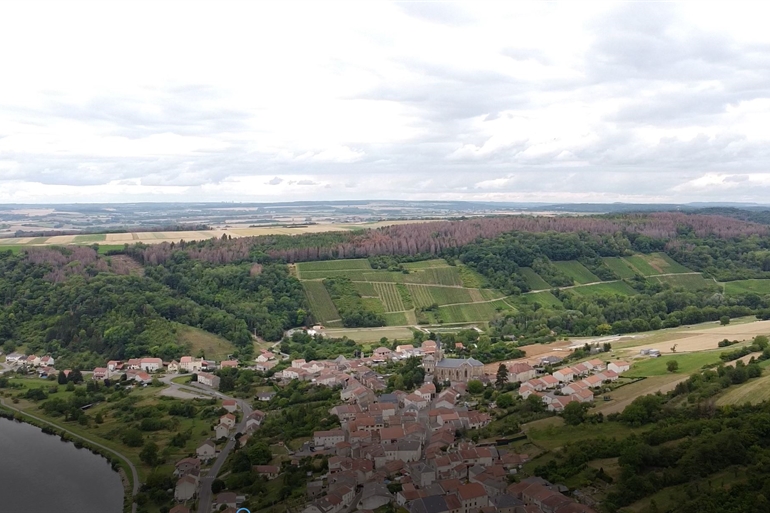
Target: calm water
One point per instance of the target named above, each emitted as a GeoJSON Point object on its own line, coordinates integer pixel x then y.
{"type": "Point", "coordinates": [40, 473]}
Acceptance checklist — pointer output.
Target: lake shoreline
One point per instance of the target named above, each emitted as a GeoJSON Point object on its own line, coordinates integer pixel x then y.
{"type": "Point", "coordinates": [13, 414]}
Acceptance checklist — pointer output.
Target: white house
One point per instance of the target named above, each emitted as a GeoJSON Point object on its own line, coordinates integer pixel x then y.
{"type": "Point", "coordinates": [221, 431]}
{"type": "Point", "coordinates": [47, 361]}
{"type": "Point", "coordinates": [173, 366]}
{"type": "Point", "coordinates": [564, 375]}
{"type": "Point", "coordinates": [254, 420]}
{"type": "Point", "coordinates": [209, 380]}
{"type": "Point", "coordinates": [185, 488]}
{"type": "Point", "coordinates": [151, 364]}
{"type": "Point", "coordinates": [265, 357]}
{"type": "Point", "coordinates": [328, 439]}
{"type": "Point", "coordinates": [619, 366]}
{"type": "Point", "coordinates": [228, 420]}
{"type": "Point", "coordinates": [190, 364]}
{"type": "Point", "coordinates": [231, 405]}
{"type": "Point", "coordinates": [520, 372]}
{"type": "Point", "coordinates": [207, 450]}
{"type": "Point", "coordinates": [14, 358]}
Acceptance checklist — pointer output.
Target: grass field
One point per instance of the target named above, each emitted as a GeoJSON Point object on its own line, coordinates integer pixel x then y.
{"type": "Point", "coordinates": [605, 289]}
{"type": "Point", "coordinates": [471, 312]}
{"type": "Point", "coordinates": [577, 271]}
{"type": "Point", "coordinates": [754, 391]}
{"type": "Point", "coordinates": [425, 264]}
{"type": "Point", "coordinates": [213, 346]}
{"type": "Point", "coordinates": [470, 278]}
{"type": "Point", "coordinates": [533, 279]}
{"type": "Point", "coordinates": [655, 263]}
{"type": "Point", "coordinates": [366, 289]}
{"type": "Point", "coordinates": [321, 303]}
{"type": "Point", "coordinates": [368, 335]}
{"type": "Point", "coordinates": [545, 298]}
{"type": "Point", "coordinates": [686, 281]}
{"type": "Point", "coordinates": [334, 265]}
{"type": "Point", "coordinates": [619, 267]}
{"type": "Point", "coordinates": [747, 287]}
{"type": "Point", "coordinates": [688, 364]}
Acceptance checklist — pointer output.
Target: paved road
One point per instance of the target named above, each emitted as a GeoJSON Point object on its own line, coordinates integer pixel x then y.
{"type": "Point", "coordinates": [134, 473]}
{"type": "Point", "coordinates": [205, 495]}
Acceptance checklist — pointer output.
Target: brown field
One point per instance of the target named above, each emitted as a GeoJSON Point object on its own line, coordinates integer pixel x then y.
{"type": "Point", "coordinates": [623, 396]}
{"type": "Point", "coordinates": [701, 338]}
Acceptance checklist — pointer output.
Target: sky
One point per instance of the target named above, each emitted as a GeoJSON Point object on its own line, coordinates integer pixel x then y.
{"type": "Point", "coordinates": [280, 101]}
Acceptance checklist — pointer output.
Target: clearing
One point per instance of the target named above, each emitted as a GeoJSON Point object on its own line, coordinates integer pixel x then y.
{"type": "Point", "coordinates": [213, 346]}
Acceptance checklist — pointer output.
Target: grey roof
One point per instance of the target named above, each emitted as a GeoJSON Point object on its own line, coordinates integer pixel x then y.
{"type": "Point", "coordinates": [432, 504]}
{"type": "Point", "coordinates": [505, 501]}
{"type": "Point", "coordinates": [458, 362]}
{"type": "Point", "coordinates": [388, 398]}
{"type": "Point", "coordinates": [375, 488]}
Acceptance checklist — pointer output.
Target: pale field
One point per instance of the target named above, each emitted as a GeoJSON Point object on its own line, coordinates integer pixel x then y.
{"type": "Point", "coordinates": [624, 395]}
{"type": "Point", "coordinates": [754, 391]}
{"type": "Point", "coordinates": [236, 232]}
{"type": "Point", "coordinates": [701, 338]}
{"type": "Point", "coordinates": [368, 335]}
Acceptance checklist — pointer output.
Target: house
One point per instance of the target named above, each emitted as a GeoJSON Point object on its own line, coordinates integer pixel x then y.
{"type": "Point", "coordinates": [173, 366]}
{"type": "Point", "coordinates": [33, 361]}
{"type": "Point", "coordinates": [15, 358]}
{"type": "Point", "coordinates": [472, 497]}
{"type": "Point", "coordinates": [436, 504]}
{"type": "Point", "coordinates": [619, 366]}
{"type": "Point", "coordinates": [230, 405]}
{"type": "Point", "coordinates": [581, 369]}
{"type": "Point", "coordinates": [382, 354]}
{"type": "Point", "coordinates": [190, 364]}
{"type": "Point", "coordinates": [427, 391]}
{"type": "Point", "coordinates": [505, 503]}
{"type": "Point", "coordinates": [228, 499]}
{"type": "Point", "coordinates": [134, 363]}
{"type": "Point", "coordinates": [138, 376]}
{"type": "Point", "coordinates": [459, 370]}
{"type": "Point", "coordinates": [254, 420]}
{"type": "Point", "coordinates": [520, 372]}
{"type": "Point", "coordinates": [405, 350]}
{"type": "Point", "coordinates": [328, 439]}
{"type": "Point", "coordinates": [550, 360]}
{"type": "Point", "coordinates": [266, 356]}
{"type": "Point", "coordinates": [185, 488]}
{"type": "Point", "coordinates": [270, 471]}
{"type": "Point", "coordinates": [429, 347]}
{"type": "Point", "coordinates": [151, 364]}
{"type": "Point", "coordinates": [186, 466]}
{"type": "Point", "coordinates": [265, 366]}
{"type": "Point", "coordinates": [100, 373]}
{"type": "Point", "coordinates": [47, 361]}
{"type": "Point", "coordinates": [228, 364]}
{"type": "Point", "coordinates": [416, 401]}
{"type": "Point", "coordinates": [204, 378]}
{"type": "Point", "coordinates": [265, 396]}
{"type": "Point", "coordinates": [207, 450]}
{"type": "Point", "coordinates": [564, 375]}
{"type": "Point", "coordinates": [114, 365]}
{"type": "Point", "coordinates": [221, 431]}
{"type": "Point", "coordinates": [549, 381]}
{"type": "Point", "coordinates": [593, 381]}
{"type": "Point", "coordinates": [609, 375]}
{"type": "Point", "coordinates": [595, 365]}
{"type": "Point", "coordinates": [228, 420]}
{"type": "Point", "coordinates": [572, 388]}
{"type": "Point", "coordinates": [374, 495]}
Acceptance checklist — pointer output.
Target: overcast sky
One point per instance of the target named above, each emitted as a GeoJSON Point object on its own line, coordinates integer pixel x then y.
{"type": "Point", "coordinates": [266, 101]}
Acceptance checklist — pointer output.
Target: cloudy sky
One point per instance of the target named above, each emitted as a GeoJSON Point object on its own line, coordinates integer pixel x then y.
{"type": "Point", "coordinates": [266, 101]}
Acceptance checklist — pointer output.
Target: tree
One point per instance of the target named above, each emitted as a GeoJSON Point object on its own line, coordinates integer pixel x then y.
{"type": "Point", "coordinates": [505, 401]}
{"type": "Point", "coordinates": [475, 386]}
{"type": "Point", "coordinates": [132, 437]}
{"type": "Point", "coordinates": [149, 453]}
{"type": "Point", "coordinates": [724, 320]}
{"type": "Point", "coordinates": [672, 365]}
{"type": "Point", "coordinates": [575, 413]}
{"type": "Point", "coordinates": [217, 485]}
{"type": "Point", "coordinates": [61, 378]}
{"type": "Point", "coordinates": [437, 384]}
{"type": "Point", "coordinates": [502, 376]}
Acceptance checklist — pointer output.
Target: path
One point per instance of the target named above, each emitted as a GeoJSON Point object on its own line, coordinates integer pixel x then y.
{"type": "Point", "coordinates": [134, 473]}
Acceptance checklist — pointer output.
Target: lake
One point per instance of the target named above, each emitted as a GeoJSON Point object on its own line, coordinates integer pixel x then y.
{"type": "Point", "coordinates": [40, 473]}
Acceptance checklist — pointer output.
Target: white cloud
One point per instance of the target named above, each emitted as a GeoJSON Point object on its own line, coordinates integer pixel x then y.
{"type": "Point", "coordinates": [126, 101]}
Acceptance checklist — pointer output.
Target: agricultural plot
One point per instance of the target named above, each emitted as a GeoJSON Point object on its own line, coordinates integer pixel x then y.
{"type": "Point", "coordinates": [335, 265]}
{"type": "Point", "coordinates": [747, 287]}
{"type": "Point", "coordinates": [366, 289]}
{"type": "Point", "coordinates": [605, 289]}
{"type": "Point", "coordinates": [686, 281]}
{"type": "Point", "coordinates": [420, 295]}
{"type": "Point", "coordinates": [471, 312]}
{"type": "Point", "coordinates": [577, 272]}
{"type": "Point", "coordinates": [425, 264]}
{"type": "Point", "coordinates": [320, 301]}
{"type": "Point", "coordinates": [352, 274]}
{"type": "Point", "coordinates": [619, 267]}
{"type": "Point", "coordinates": [655, 263]}
{"type": "Point", "coordinates": [390, 296]}
{"type": "Point", "coordinates": [754, 391]}
{"type": "Point", "coordinates": [543, 298]}
{"type": "Point", "coordinates": [471, 279]}
{"type": "Point", "coordinates": [398, 319]}
{"type": "Point", "coordinates": [533, 279]}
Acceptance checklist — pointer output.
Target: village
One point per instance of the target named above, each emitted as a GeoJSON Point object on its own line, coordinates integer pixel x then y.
{"type": "Point", "coordinates": [409, 449]}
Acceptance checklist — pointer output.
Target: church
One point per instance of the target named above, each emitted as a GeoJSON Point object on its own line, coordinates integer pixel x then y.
{"type": "Point", "coordinates": [453, 370]}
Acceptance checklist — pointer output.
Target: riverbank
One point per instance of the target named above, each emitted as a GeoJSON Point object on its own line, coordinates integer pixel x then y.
{"type": "Point", "coordinates": [119, 463]}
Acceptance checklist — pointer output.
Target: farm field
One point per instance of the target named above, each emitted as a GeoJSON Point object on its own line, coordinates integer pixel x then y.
{"type": "Point", "coordinates": [320, 301]}
{"type": "Point", "coordinates": [754, 391]}
{"type": "Point", "coordinates": [655, 263]}
{"type": "Point", "coordinates": [545, 298]}
{"type": "Point", "coordinates": [396, 294]}
{"type": "Point", "coordinates": [688, 363]}
{"type": "Point", "coordinates": [576, 271]}
{"type": "Point", "coordinates": [368, 335]}
{"type": "Point", "coordinates": [605, 289]}
{"type": "Point", "coordinates": [703, 337]}
{"type": "Point", "coordinates": [687, 281]}
{"type": "Point", "coordinates": [623, 396]}
{"type": "Point", "coordinates": [619, 267]}
{"type": "Point", "coordinates": [747, 286]}
{"type": "Point", "coordinates": [533, 279]}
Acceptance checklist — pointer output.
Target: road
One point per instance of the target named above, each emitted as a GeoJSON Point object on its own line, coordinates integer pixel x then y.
{"type": "Point", "coordinates": [134, 473]}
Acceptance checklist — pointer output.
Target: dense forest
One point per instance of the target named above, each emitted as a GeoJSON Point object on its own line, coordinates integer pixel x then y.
{"type": "Point", "coordinates": [85, 307]}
